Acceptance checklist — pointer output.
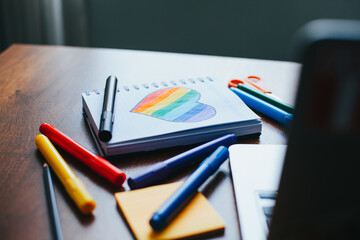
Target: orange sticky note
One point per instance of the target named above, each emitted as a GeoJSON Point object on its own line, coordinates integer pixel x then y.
{"type": "Point", "coordinates": [198, 217]}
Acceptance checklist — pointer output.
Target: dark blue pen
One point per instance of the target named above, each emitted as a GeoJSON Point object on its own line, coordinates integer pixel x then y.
{"type": "Point", "coordinates": [182, 196]}
{"type": "Point", "coordinates": [165, 169]}
{"type": "Point", "coordinates": [263, 107]}
{"type": "Point", "coordinates": [53, 209]}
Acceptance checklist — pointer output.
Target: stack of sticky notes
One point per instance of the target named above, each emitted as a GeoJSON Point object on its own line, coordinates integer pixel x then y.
{"type": "Point", "coordinates": [198, 217]}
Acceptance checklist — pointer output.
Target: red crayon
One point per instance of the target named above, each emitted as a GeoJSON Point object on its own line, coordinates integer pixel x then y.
{"type": "Point", "coordinates": [98, 164]}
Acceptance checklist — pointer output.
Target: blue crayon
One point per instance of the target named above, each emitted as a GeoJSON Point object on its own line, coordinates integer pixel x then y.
{"type": "Point", "coordinates": [165, 169]}
{"type": "Point", "coordinates": [263, 107]}
{"type": "Point", "coordinates": [182, 196]}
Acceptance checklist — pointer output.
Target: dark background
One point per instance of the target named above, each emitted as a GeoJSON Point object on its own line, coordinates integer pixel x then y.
{"type": "Point", "coordinates": [241, 28]}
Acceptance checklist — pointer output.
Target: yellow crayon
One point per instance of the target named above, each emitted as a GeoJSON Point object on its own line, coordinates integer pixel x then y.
{"type": "Point", "coordinates": [73, 185]}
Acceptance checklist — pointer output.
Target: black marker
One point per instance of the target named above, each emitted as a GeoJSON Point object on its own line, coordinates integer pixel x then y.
{"type": "Point", "coordinates": [107, 115]}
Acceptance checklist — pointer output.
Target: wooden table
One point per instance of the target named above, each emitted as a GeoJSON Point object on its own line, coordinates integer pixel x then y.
{"type": "Point", "coordinates": [43, 84]}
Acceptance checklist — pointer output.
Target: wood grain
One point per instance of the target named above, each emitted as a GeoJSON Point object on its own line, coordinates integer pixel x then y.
{"type": "Point", "coordinates": [43, 84]}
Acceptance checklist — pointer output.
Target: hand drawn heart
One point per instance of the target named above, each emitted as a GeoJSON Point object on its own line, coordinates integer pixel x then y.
{"type": "Point", "coordinates": [175, 104]}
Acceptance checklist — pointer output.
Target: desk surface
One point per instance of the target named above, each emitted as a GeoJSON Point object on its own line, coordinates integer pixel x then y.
{"type": "Point", "coordinates": [43, 84]}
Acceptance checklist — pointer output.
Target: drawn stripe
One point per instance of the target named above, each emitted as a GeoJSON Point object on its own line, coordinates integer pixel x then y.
{"type": "Point", "coordinates": [158, 99]}
{"type": "Point", "coordinates": [180, 111]}
{"type": "Point", "coordinates": [193, 111]}
{"type": "Point", "coordinates": [148, 99]}
{"type": "Point", "coordinates": [206, 113]}
{"type": "Point", "coordinates": [173, 97]}
{"type": "Point", "coordinates": [175, 106]}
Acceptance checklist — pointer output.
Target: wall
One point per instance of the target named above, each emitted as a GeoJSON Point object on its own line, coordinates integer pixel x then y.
{"type": "Point", "coordinates": [252, 28]}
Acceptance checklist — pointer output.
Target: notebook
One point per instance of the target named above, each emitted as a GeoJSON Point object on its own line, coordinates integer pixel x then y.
{"type": "Point", "coordinates": [307, 190]}
{"type": "Point", "coordinates": [154, 115]}
{"type": "Point", "coordinates": [197, 218]}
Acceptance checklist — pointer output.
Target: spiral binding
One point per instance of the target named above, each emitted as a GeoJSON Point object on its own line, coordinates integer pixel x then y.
{"type": "Point", "coordinates": [158, 85]}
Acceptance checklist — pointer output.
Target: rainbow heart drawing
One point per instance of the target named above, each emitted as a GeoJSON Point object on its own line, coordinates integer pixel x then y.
{"type": "Point", "coordinates": [175, 104]}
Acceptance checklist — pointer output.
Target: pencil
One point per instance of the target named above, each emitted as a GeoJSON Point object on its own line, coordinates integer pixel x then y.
{"type": "Point", "coordinates": [53, 210]}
